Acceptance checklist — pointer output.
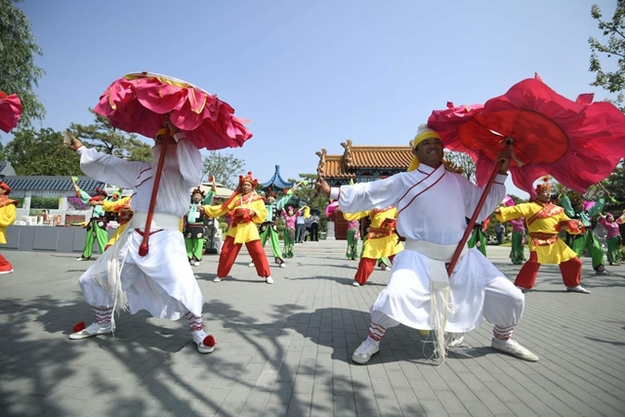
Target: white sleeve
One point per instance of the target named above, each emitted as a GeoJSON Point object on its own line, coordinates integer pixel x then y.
{"type": "Point", "coordinates": [370, 195]}
{"type": "Point", "coordinates": [189, 160]}
{"type": "Point", "coordinates": [108, 168]}
{"type": "Point", "coordinates": [493, 200]}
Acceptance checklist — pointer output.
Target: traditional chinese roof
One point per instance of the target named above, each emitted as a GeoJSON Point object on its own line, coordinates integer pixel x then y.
{"type": "Point", "coordinates": [40, 183]}
{"type": "Point", "coordinates": [379, 158]}
{"type": "Point", "coordinates": [276, 181]}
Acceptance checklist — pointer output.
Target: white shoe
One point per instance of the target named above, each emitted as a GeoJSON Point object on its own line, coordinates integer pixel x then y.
{"type": "Point", "coordinates": [196, 263]}
{"type": "Point", "coordinates": [217, 279]}
{"type": "Point", "coordinates": [93, 329]}
{"type": "Point", "coordinates": [453, 340]}
{"type": "Point", "coordinates": [282, 265]}
{"type": "Point", "coordinates": [512, 347]}
{"type": "Point", "coordinates": [205, 344]}
{"type": "Point", "coordinates": [82, 259]}
{"type": "Point", "coordinates": [578, 289]}
{"type": "Point", "coordinates": [250, 265]}
{"type": "Point", "coordinates": [355, 284]}
{"type": "Point", "coordinates": [364, 352]}
{"type": "Point", "coordinates": [269, 280]}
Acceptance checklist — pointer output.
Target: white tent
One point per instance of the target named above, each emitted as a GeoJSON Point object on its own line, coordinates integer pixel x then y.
{"type": "Point", "coordinates": [222, 192]}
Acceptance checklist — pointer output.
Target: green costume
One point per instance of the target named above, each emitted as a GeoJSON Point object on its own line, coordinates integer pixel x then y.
{"type": "Point", "coordinates": [268, 228]}
{"type": "Point", "coordinates": [588, 239]}
{"type": "Point", "coordinates": [194, 228]}
{"type": "Point", "coordinates": [96, 228]}
{"type": "Point", "coordinates": [478, 239]}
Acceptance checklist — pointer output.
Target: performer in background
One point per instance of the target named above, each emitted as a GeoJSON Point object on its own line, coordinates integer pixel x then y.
{"type": "Point", "coordinates": [8, 214]}
{"type": "Point", "coordinates": [96, 227]}
{"type": "Point", "coordinates": [290, 217]}
{"type": "Point", "coordinates": [268, 229]}
{"type": "Point", "coordinates": [381, 242]}
{"type": "Point", "coordinates": [614, 240]}
{"type": "Point", "coordinates": [544, 222]}
{"type": "Point", "coordinates": [247, 210]}
{"type": "Point", "coordinates": [194, 224]}
{"type": "Point", "coordinates": [517, 251]}
{"type": "Point", "coordinates": [575, 209]}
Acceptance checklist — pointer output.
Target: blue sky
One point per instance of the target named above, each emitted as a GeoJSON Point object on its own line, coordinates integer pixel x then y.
{"type": "Point", "coordinates": [311, 74]}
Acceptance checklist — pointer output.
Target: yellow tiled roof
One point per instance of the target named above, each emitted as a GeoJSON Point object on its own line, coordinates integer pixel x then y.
{"type": "Point", "coordinates": [393, 158]}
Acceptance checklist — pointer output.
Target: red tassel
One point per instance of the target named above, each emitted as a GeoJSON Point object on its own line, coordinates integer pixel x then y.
{"type": "Point", "coordinates": [209, 341]}
{"type": "Point", "coordinates": [79, 327]}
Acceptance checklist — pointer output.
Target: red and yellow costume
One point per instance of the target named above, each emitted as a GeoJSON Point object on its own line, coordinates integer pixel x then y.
{"type": "Point", "coordinates": [122, 207]}
{"type": "Point", "coordinates": [247, 211]}
{"type": "Point", "coordinates": [382, 241]}
{"type": "Point", "coordinates": [8, 215]}
{"type": "Point", "coordinates": [544, 222]}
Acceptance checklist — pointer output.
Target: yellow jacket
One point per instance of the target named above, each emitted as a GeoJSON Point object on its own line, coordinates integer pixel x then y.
{"type": "Point", "coordinates": [243, 228]}
{"type": "Point", "coordinates": [8, 214]}
{"type": "Point", "coordinates": [381, 240]}
{"type": "Point", "coordinates": [543, 221]}
{"type": "Point", "coordinates": [116, 206]}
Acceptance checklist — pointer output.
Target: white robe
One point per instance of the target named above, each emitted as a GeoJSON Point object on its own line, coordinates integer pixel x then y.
{"type": "Point", "coordinates": [437, 213]}
{"type": "Point", "coordinates": [162, 282]}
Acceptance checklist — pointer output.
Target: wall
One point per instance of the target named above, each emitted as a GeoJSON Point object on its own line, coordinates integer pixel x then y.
{"type": "Point", "coordinates": [49, 239]}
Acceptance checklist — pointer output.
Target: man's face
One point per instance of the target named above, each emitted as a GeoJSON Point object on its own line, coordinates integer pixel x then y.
{"type": "Point", "coordinates": [271, 199]}
{"type": "Point", "coordinates": [430, 152]}
{"type": "Point", "coordinates": [544, 195]}
{"type": "Point", "coordinates": [246, 187]}
{"type": "Point", "coordinates": [197, 197]}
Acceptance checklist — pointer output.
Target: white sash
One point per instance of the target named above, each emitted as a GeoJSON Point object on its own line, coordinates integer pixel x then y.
{"type": "Point", "coordinates": [420, 187]}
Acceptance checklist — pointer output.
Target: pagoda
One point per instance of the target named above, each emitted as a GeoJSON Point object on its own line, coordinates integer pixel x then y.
{"type": "Point", "coordinates": [276, 183]}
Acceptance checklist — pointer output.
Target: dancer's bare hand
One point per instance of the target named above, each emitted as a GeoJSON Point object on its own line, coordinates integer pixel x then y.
{"type": "Point", "coordinates": [321, 186]}
{"type": "Point", "coordinates": [504, 156]}
{"type": "Point", "coordinates": [74, 143]}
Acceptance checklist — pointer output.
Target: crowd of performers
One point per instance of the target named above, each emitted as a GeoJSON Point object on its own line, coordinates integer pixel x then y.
{"type": "Point", "coordinates": [401, 214]}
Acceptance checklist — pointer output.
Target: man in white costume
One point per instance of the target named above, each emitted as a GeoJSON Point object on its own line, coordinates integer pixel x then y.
{"type": "Point", "coordinates": [432, 205]}
{"type": "Point", "coordinates": [162, 281]}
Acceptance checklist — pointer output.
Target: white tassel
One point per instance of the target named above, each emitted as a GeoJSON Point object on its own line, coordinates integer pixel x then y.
{"type": "Point", "coordinates": [441, 306]}
{"type": "Point", "coordinates": [113, 268]}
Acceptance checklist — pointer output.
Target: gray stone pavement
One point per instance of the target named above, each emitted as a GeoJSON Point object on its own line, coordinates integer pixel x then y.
{"type": "Point", "coordinates": [284, 349]}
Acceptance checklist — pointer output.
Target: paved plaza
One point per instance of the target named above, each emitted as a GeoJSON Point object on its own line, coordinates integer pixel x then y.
{"type": "Point", "coordinates": [284, 349]}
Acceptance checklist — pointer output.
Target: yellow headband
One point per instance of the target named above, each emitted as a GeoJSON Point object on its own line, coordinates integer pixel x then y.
{"type": "Point", "coordinates": [160, 132]}
{"type": "Point", "coordinates": [422, 135]}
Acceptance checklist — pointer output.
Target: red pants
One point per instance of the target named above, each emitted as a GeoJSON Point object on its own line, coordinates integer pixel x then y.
{"type": "Point", "coordinates": [5, 266]}
{"type": "Point", "coordinates": [229, 253]}
{"type": "Point", "coordinates": [571, 272]}
{"type": "Point", "coordinates": [365, 268]}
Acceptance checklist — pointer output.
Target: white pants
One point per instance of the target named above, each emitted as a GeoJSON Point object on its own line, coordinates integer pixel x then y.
{"type": "Point", "coordinates": [503, 305]}
{"type": "Point", "coordinates": [162, 282]}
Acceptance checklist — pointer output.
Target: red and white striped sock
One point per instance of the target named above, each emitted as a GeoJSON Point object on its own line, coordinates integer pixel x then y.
{"type": "Point", "coordinates": [196, 323]}
{"type": "Point", "coordinates": [376, 333]}
{"type": "Point", "coordinates": [102, 315]}
{"type": "Point", "coordinates": [503, 333]}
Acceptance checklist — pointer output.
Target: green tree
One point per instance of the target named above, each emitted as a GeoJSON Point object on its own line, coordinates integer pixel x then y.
{"type": "Point", "coordinates": [40, 153]}
{"type": "Point", "coordinates": [224, 167]}
{"type": "Point", "coordinates": [613, 81]}
{"type": "Point", "coordinates": [110, 140]}
{"type": "Point", "coordinates": [18, 72]}
{"type": "Point", "coordinates": [464, 161]}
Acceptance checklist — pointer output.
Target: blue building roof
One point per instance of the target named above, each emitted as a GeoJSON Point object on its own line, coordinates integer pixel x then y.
{"type": "Point", "coordinates": [276, 181]}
